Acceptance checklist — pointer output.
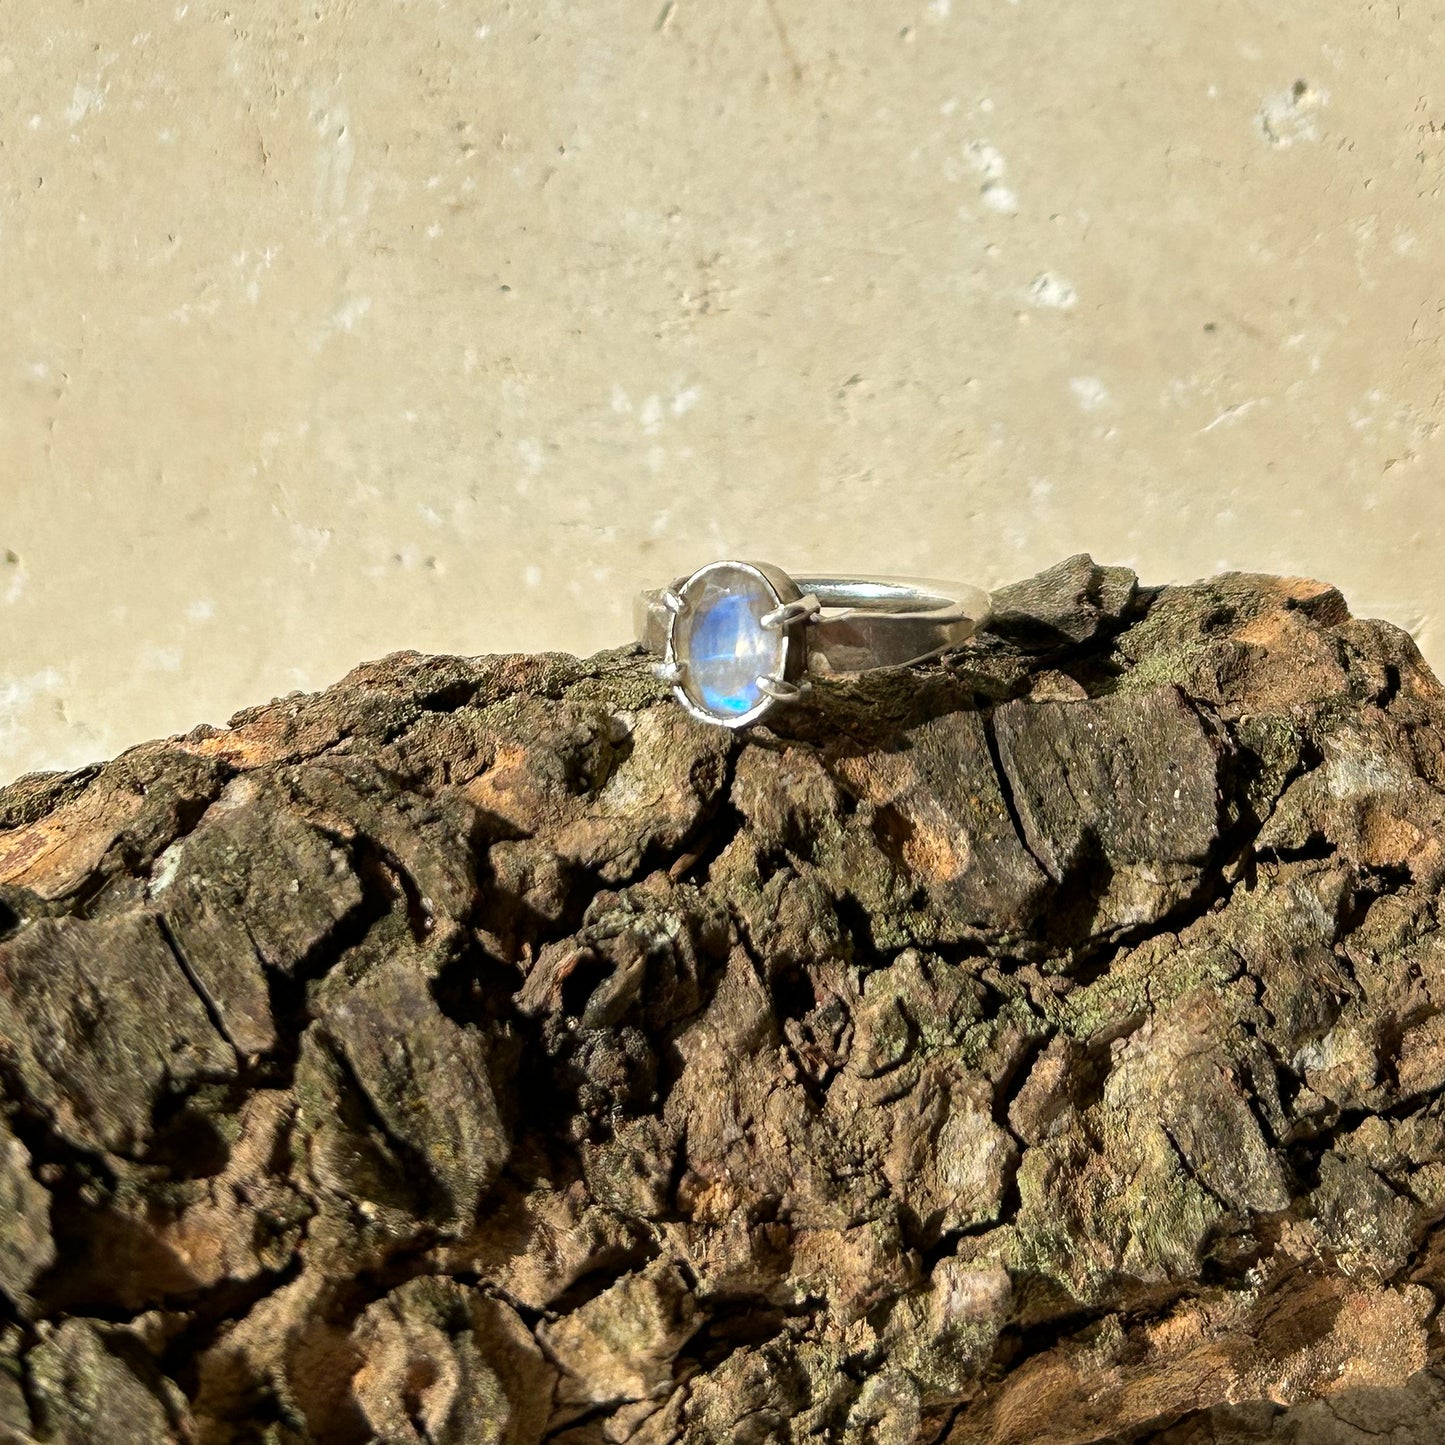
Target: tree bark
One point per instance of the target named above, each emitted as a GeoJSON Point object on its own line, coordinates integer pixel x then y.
{"type": "Point", "coordinates": [1039, 1046]}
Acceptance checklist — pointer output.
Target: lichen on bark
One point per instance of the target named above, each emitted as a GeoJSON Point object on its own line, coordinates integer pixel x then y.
{"type": "Point", "coordinates": [1038, 1046]}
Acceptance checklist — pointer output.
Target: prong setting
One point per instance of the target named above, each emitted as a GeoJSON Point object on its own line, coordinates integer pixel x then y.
{"type": "Point", "coordinates": [781, 690]}
{"type": "Point", "coordinates": [736, 641]}
{"type": "Point", "coordinates": [790, 612]}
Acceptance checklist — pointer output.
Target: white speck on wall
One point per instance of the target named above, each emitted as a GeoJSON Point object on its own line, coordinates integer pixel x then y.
{"type": "Point", "coordinates": [529, 450]}
{"type": "Point", "coordinates": [1231, 415]}
{"type": "Point", "coordinates": [1296, 341]}
{"type": "Point", "coordinates": [31, 705]}
{"type": "Point", "coordinates": [986, 159]}
{"type": "Point", "coordinates": [940, 9]}
{"type": "Point", "coordinates": [659, 524]}
{"type": "Point", "coordinates": [621, 402]}
{"type": "Point", "coordinates": [650, 415]}
{"type": "Point", "coordinates": [160, 659]}
{"type": "Point", "coordinates": [201, 610]}
{"type": "Point", "coordinates": [86, 100]}
{"type": "Point", "coordinates": [334, 158]}
{"type": "Point", "coordinates": [685, 400]}
{"type": "Point", "coordinates": [1052, 292]}
{"type": "Point", "coordinates": [1178, 391]}
{"type": "Point", "coordinates": [999, 197]}
{"type": "Point", "coordinates": [14, 576]}
{"type": "Point", "coordinates": [988, 162]}
{"type": "Point", "coordinates": [482, 31]}
{"type": "Point", "coordinates": [310, 543]}
{"type": "Point", "coordinates": [1089, 392]}
{"type": "Point", "coordinates": [345, 317]}
{"type": "Point", "coordinates": [34, 122]}
{"type": "Point", "coordinates": [532, 576]}
{"type": "Point", "coordinates": [20, 692]}
{"type": "Point", "coordinates": [188, 309]}
{"type": "Point", "coordinates": [1040, 490]}
{"type": "Point", "coordinates": [1291, 116]}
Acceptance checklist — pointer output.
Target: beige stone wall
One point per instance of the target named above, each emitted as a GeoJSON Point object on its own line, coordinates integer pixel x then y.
{"type": "Point", "coordinates": [338, 328]}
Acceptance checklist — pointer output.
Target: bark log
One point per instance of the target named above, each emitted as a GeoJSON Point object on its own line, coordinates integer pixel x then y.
{"type": "Point", "coordinates": [1040, 1046]}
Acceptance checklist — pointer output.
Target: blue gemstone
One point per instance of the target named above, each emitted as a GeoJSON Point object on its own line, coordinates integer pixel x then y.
{"type": "Point", "coordinates": [722, 642]}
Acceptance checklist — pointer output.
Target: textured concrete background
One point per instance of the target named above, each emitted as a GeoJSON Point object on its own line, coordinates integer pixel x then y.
{"type": "Point", "coordinates": [338, 328]}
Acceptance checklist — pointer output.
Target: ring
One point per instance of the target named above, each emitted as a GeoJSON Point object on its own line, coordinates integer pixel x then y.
{"type": "Point", "coordinates": [736, 639]}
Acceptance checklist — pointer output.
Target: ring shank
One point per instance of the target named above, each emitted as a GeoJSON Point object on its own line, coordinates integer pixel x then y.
{"type": "Point", "coordinates": [866, 622]}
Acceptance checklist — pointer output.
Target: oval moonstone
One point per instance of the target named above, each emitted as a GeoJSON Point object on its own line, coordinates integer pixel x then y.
{"type": "Point", "coordinates": [725, 648]}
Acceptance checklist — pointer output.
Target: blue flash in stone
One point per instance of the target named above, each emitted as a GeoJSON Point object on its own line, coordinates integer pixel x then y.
{"type": "Point", "coordinates": [722, 643]}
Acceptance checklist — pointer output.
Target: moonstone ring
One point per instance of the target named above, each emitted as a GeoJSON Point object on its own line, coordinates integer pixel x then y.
{"type": "Point", "coordinates": [738, 638]}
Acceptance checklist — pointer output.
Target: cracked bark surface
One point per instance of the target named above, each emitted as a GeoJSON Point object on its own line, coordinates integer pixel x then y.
{"type": "Point", "coordinates": [1039, 1046]}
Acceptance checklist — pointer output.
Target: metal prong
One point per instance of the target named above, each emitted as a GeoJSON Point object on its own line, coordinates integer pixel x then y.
{"type": "Point", "coordinates": [789, 612]}
{"type": "Point", "coordinates": [673, 600]}
{"type": "Point", "coordinates": [781, 691]}
{"type": "Point", "coordinates": [669, 671]}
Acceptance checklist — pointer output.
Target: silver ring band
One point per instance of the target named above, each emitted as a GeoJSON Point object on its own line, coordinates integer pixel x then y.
{"type": "Point", "coordinates": [710, 628]}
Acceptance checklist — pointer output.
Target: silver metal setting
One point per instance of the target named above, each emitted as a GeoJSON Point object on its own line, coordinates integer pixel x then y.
{"type": "Point", "coordinates": [828, 625]}
{"type": "Point", "coordinates": [785, 594]}
{"type": "Point", "coordinates": [781, 691]}
{"type": "Point", "coordinates": [799, 611]}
